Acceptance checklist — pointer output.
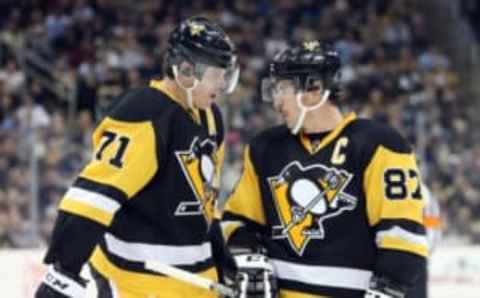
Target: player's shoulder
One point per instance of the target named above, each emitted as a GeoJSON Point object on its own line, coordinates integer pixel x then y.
{"type": "Point", "coordinates": [141, 104]}
{"type": "Point", "coordinates": [375, 134]}
{"type": "Point", "coordinates": [269, 138]}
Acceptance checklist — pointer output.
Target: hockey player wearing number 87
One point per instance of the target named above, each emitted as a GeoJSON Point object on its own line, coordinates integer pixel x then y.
{"type": "Point", "coordinates": [334, 200]}
{"type": "Point", "coordinates": [149, 193]}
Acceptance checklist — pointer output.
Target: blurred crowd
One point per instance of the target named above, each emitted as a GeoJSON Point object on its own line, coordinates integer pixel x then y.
{"type": "Point", "coordinates": [471, 10]}
{"type": "Point", "coordinates": [98, 49]}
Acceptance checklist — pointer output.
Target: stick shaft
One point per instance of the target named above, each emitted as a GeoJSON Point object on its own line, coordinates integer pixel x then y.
{"type": "Point", "coordinates": [190, 278]}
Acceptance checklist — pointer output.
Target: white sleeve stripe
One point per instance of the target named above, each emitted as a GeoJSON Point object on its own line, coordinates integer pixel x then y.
{"type": "Point", "coordinates": [403, 234]}
{"type": "Point", "coordinates": [63, 284]}
{"type": "Point", "coordinates": [317, 275]}
{"type": "Point", "coordinates": [93, 199]}
{"type": "Point", "coordinates": [167, 254]}
{"type": "Point", "coordinates": [225, 224]}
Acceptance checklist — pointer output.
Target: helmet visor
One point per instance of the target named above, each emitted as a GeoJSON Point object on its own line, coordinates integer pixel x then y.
{"type": "Point", "coordinates": [273, 87]}
{"type": "Point", "coordinates": [224, 79]}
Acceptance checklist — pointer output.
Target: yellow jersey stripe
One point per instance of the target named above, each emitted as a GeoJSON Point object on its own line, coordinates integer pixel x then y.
{"type": "Point", "coordinates": [330, 137]}
{"type": "Point", "coordinates": [246, 200]}
{"type": "Point", "coordinates": [149, 284]}
{"type": "Point", "coordinates": [229, 227]}
{"type": "Point", "coordinates": [390, 242]}
{"type": "Point", "coordinates": [85, 210]}
{"type": "Point", "coordinates": [295, 294]}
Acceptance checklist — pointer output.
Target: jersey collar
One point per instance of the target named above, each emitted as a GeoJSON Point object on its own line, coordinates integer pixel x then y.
{"type": "Point", "coordinates": [160, 85]}
{"type": "Point", "coordinates": [307, 144]}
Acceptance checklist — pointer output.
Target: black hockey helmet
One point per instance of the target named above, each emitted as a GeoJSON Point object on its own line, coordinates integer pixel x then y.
{"type": "Point", "coordinates": [202, 43]}
{"type": "Point", "coordinates": [305, 65]}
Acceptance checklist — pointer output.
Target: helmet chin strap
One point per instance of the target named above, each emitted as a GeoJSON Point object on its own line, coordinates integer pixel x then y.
{"type": "Point", "coordinates": [188, 90]}
{"type": "Point", "coordinates": [304, 110]}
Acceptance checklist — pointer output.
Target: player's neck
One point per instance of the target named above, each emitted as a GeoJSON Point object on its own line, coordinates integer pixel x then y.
{"type": "Point", "coordinates": [179, 95]}
{"type": "Point", "coordinates": [325, 118]}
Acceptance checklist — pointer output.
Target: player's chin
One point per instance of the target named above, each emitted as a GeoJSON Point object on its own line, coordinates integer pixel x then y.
{"type": "Point", "coordinates": [288, 122]}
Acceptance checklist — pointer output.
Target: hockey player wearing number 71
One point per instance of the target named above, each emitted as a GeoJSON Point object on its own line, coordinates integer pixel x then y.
{"type": "Point", "coordinates": [334, 201]}
{"type": "Point", "coordinates": [149, 193]}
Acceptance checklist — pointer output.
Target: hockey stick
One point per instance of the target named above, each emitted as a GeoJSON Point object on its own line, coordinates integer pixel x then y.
{"type": "Point", "coordinates": [300, 216]}
{"type": "Point", "coordinates": [193, 279]}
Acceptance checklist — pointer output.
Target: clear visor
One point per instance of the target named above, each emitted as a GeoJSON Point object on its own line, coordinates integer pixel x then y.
{"type": "Point", "coordinates": [223, 79]}
{"type": "Point", "coordinates": [272, 88]}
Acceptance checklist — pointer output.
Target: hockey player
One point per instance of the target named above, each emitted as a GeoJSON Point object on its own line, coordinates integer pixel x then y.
{"type": "Point", "coordinates": [334, 200]}
{"type": "Point", "coordinates": [149, 192]}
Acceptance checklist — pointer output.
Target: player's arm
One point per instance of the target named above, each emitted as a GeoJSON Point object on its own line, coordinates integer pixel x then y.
{"type": "Point", "coordinates": [222, 258]}
{"type": "Point", "coordinates": [243, 222]}
{"type": "Point", "coordinates": [244, 216]}
{"type": "Point", "coordinates": [124, 161]}
{"type": "Point", "coordinates": [395, 206]}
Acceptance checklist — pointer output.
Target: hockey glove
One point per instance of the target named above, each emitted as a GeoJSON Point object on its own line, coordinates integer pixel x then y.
{"type": "Point", "coordinates": [60, 284]}
{"type": "Point", "coordinates": [255, 277]}
{"type": "Point", "coordinates": [382, 287]}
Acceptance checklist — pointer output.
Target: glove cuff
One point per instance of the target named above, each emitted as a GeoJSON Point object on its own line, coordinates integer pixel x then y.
{"type": "Point", "coordinates": [383, 287]}
{"type": "Point", "coordinates": [253, 261]}
{"type": "Point", "coordinates": [64, 284]}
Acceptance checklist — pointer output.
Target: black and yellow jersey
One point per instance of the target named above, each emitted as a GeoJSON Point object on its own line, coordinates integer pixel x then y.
{"type": "Point", "coordinates": [152, 185]}
{"type": "Point", "coordinates": [331, 213]}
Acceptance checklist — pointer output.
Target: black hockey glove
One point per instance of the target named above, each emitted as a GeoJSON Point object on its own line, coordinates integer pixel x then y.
{"type": "Point", "coordinates": [60, 284]}
{"type": "Point", "coordinates": [255, 277]}
{"type": "Point", "coordinates": [382, 287]}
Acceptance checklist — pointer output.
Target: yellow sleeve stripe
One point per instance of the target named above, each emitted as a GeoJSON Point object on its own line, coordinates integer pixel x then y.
{"type": "Point", "coordinates": [305, 141]}
{"type": "Point", "coordinates": [378, 205]}
{"type": "Point", "coordinates": [398, 237]}
{"type": "Point", "coordinates": [145, 284]}
{"type": "Point", "coordinates": [85, 210]}
{"type": "Point", "coordinates": [390, 242]}
{"type": "Point", "coordinates": [246, 199]}
{"type": "Point", "coordinates": [229, 227]}
{"type": "Point", "coordinates": [295, 294]}
{"type": "Point", "coordinates": [405, 209]}
{"type": "Point", "coordinates": [93, 199]}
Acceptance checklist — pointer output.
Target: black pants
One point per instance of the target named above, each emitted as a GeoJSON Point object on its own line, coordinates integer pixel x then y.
{"type": "Point", "coordinates": [420, 290]}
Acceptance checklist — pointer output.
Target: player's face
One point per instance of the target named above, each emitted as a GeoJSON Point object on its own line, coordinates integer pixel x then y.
{"type": "Point", "coordinates": [284, 100]}
{"type": "Point", "coordinates": [212, 84]}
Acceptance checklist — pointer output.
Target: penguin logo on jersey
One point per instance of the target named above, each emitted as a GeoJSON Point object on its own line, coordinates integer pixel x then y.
{"type": "Point", "coordinates": [199, 167]}
{"type": "Point", "coordinates": [305, 197]}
